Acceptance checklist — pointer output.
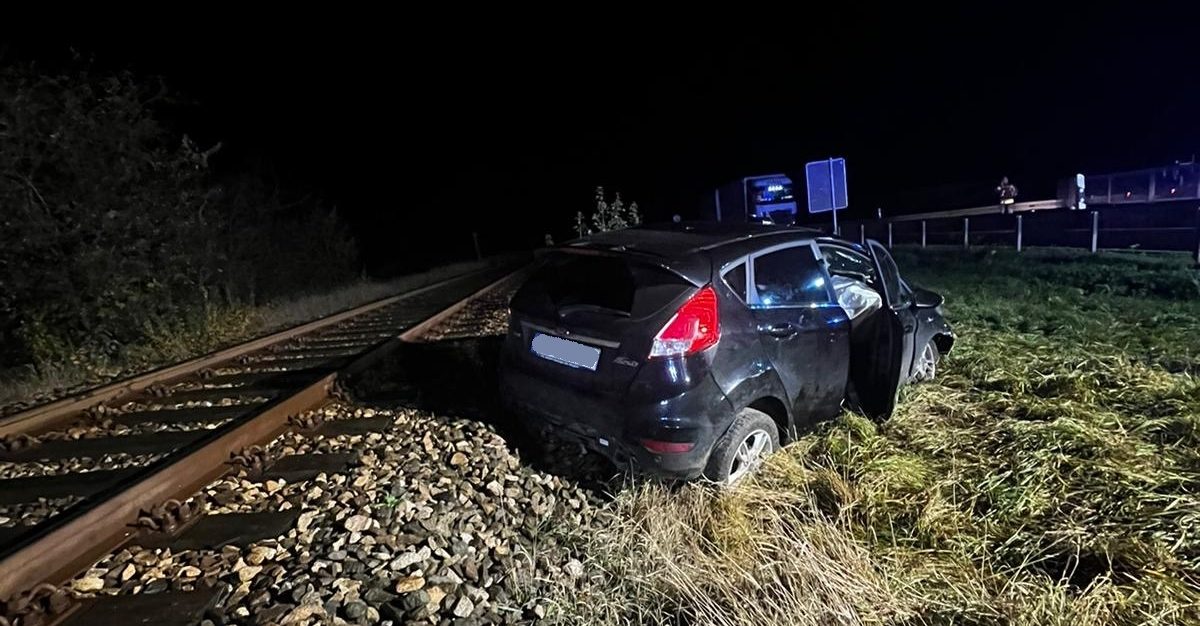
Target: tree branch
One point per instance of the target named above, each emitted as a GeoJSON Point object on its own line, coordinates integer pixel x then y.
{"type": "Point", "coordinates": [33, 190]}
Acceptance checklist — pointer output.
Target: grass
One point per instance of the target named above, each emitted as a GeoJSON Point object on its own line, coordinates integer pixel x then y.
{"type": "Point", "coordinates": [1051, 475]}
{"type": "Point", "coordinates": [203, 331]}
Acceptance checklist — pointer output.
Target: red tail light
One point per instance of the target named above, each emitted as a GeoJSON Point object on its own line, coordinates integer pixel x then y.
{"type": "Point", "coordinates": [694, 327]}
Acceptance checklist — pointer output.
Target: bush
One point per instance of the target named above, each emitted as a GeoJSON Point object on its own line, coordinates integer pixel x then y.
{"type": "Point", "coordinates": [114, 225]}
{"type": "Point", "coordinates": [607, 215]}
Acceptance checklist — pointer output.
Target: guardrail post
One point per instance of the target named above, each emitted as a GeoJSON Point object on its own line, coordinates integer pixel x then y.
{"type": "Point", "coordinates": [1196, 249]}
{"type": "Point", "coordinates": [862, 234]}
{"type": "Point", "coordinates": [889, 234]}
{"type": "Point", "coordinates": [922, 233]}
{"type": "Point", "coordinates": [1095, 229]}
{"type": "Point", "coordinates": [966, 232]}
{"type": "Point", "coordinates": [1020, 232]}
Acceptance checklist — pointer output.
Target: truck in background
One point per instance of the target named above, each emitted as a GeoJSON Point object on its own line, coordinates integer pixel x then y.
{"type": "Point", "coordinates": [766, 198]}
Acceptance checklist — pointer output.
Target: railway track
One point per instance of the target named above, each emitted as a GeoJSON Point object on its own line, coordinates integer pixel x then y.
{"type": "Point", "coordinates": [116, 464]}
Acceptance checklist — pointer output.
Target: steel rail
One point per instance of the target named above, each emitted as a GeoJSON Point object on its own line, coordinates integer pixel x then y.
{"type": "Point", "coordinates": [70, 544]}
{"type": "Point", "coordinates": [421, 331]}
{"type": "Point", "coordinates": [44, 416]}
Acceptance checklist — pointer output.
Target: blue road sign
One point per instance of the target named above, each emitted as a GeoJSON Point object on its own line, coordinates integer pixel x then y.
{"type": "Point", "coordinates": [826, 185]}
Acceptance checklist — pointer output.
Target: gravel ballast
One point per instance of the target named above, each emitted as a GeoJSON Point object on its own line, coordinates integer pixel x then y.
{"type": "Point", "coordinates": [441, 520]}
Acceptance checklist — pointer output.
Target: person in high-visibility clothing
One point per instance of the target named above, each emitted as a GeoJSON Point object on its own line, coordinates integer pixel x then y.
{"type": "Point", "coordinates": [1008, 195]}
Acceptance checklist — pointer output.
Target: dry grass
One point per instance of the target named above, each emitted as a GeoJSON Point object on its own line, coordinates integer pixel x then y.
{"type": "Point", "coordinates": [1050, 476]}
{"type": "Point", "coordinates": [755, 555]}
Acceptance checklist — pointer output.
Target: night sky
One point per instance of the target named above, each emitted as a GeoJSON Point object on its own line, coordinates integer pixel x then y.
{"type": "Point", "coordinates": [423, 130]}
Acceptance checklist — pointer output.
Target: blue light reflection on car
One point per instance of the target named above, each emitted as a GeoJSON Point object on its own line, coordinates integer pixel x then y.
{"type": "Point", "coordinates": [676, 373]}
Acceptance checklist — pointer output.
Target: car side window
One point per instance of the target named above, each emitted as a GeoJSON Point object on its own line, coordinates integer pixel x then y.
{"type": "Point", "coordinates": [845, 262]}
{"type": "Point", "coordinates": [788, 277]}
{"type": "Point", "coordinates": [735, 277]}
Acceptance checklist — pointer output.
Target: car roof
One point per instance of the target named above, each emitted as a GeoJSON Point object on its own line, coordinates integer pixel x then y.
{"type": "Point", "coordinates": [677, 240]}
{"type": "Point", "coordinates": [692, 248]}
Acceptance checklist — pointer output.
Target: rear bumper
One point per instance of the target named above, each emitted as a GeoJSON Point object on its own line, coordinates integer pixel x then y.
{"type": "Point", "coordinates": [614, 429]}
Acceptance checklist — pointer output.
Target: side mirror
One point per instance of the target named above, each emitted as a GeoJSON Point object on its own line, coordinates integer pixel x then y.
{"type": "Point", "coordinates": [926, 299]}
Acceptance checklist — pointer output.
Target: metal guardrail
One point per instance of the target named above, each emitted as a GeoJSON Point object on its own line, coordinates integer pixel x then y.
{"type": "Point", "coordinates": [994, 209]}
{"type": "Point", "coordinates": [1159, 227]}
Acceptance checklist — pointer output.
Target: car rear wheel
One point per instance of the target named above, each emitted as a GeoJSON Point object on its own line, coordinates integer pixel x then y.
{"type": "Point", "coordinates": [752, 436]}
{"type": "Point", "coordinates": [926, 366]}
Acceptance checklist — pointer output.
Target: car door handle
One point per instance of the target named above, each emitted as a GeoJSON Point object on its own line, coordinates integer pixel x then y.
{"type": "Point", "coordinates": [779, 331]}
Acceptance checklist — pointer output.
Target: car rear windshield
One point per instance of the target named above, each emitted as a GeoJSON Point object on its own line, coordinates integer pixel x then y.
{"type": "Point", "coordinates": [570, 283]}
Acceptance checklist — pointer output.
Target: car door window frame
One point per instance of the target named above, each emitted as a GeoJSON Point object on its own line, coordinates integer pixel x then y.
{"type": "Point", "coordinates": [901, 299]}
{"type": "Point", "coordinates": [752, 298]}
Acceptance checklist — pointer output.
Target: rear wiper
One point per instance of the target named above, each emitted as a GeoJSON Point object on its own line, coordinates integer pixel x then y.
{"type": "Point", "coordinates": [571, 308]}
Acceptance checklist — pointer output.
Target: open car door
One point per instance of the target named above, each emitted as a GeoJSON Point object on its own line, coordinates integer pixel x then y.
{"type": "Point", "coordinates": [878, 346]}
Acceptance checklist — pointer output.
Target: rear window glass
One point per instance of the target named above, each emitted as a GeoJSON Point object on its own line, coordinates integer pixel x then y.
{"type": "Point", "coordinates": [789, 277]}
{"type": "Point", "coordinates": [566, 284]}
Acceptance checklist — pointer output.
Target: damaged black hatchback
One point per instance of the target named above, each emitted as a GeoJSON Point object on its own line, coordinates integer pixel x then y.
{"type": "Point", "coordinates": [694, 350]}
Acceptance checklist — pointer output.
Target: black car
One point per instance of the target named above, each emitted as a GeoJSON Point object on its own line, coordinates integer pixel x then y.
{"type": "Point", "coordinates": [691, 350]}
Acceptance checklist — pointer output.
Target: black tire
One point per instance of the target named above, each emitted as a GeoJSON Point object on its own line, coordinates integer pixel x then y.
{"type": "Point", "coordinates": [925, 369]}
{"type": "Point", "coordinates": [726, 464]}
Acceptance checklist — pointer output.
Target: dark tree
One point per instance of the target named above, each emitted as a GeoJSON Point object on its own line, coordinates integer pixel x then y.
{"type": "Point", "coordinates": [112, 221]}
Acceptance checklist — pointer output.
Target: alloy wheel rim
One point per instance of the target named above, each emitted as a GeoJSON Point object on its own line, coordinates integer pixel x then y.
{"type": "Point", "coordinates": [928, 363]}
{"type": "Point", "coordinates": [749, 454]}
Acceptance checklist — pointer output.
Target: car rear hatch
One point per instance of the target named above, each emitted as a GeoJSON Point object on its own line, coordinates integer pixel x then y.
{"type": "Point", "coordinates": [586, 321]}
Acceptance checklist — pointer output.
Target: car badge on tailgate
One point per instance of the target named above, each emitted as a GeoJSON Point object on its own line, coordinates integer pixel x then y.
{"type": "Point", "coordinates": [626, 361]}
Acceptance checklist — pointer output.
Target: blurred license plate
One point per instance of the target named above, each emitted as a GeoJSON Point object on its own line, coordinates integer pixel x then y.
{"type": "Point", "coordinates": [565, 351]}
